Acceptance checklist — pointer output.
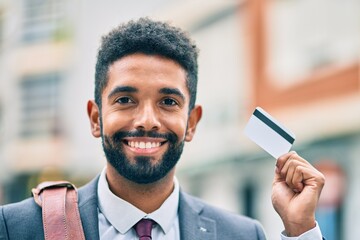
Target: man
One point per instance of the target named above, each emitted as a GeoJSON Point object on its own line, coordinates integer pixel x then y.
{"type": "Point", "coordinates": [144, 110]}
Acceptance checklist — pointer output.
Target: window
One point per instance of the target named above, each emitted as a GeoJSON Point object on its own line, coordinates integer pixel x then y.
{"type": "Point", "coordinates": [40, 105]}
{"type": "Point", "coordinates": [310, 35]}
{"type": "Point", "coordinates": [248, 195]}
{"type": "Point", "coordinates": [306, 48]}
{"type": "Point", "coordinates": [43, 20]}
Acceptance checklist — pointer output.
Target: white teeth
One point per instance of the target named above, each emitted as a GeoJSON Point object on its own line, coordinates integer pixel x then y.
{"type": "Point", "coordinates": [144, 145]}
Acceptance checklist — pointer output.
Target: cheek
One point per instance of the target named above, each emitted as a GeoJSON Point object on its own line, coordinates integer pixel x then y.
{"type": "Point", "coordinates": [113, 122]}
{"type": "Point", "coordinates": [177, 125]}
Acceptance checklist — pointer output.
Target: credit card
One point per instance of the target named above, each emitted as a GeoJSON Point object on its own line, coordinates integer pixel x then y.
{"type": "Point", "coordinates": [268, 133]}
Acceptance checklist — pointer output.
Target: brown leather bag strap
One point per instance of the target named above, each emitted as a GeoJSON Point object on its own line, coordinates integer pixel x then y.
{"type": "Point", "coordinates": [60, 210]}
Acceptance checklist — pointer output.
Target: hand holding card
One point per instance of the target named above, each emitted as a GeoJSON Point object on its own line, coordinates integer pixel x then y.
{"type": "Point", "coordinates": [268, 133]}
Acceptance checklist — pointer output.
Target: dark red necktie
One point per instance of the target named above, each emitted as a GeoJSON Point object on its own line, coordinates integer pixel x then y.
{"type": "Point", "coordinates": [143, 229]}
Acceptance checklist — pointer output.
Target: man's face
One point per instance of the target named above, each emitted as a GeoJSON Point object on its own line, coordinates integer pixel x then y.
{"type": "Point", "coordinates": [144, 117]}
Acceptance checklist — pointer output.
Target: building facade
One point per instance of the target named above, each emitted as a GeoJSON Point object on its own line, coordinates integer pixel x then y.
{"type": "Point", "coordinates": [302, 70]}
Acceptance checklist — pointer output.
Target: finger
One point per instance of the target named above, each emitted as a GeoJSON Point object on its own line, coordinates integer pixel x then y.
{"type": "Point", "coordinates": [289, 174]}
{"type": "Point", "coordinates": [284, 160]}
{"type": "Point", "coordinates": [288, 170]}
{"type": "Point", "coordinates": [307, 176]}
{"type": "Point", "coordinates": [313, 177]}
{"type": "Point", "coordinates": [293, 166]}
{"type": "Point", "coordinates": [293, 161]}
{"type": "Point", "coordinates": [281, 161]}
{"type": "Point", "coordinates": [297, 181]}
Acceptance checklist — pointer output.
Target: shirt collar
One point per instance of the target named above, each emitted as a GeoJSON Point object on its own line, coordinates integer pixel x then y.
{"type": "Point", "coordinates": [123, 215]}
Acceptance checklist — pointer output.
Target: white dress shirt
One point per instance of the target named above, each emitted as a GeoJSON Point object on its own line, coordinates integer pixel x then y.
{"type": "Point", "coordinates": [117, 217]}
{"type": "Point", "coordinates": [312, 234]}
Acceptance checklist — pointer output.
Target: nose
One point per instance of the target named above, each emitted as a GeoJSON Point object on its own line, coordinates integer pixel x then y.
{"type": "Point", "coordinates": [147, 118]}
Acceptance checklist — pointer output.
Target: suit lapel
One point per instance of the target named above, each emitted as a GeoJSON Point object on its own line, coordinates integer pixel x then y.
{"type": "Point", "coordinates": [192, 224]}
{"type": "Point", "coordinates": [89, 210]}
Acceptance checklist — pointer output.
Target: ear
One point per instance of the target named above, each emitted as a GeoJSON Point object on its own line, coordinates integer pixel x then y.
{"type": "Point", "coordinates": [93, 113]}
{"type": "Point", "coordinates": [194, 118]}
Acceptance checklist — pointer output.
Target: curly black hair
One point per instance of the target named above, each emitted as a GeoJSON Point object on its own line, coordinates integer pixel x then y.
{"type": "Point", "coordinates": [149, 37]}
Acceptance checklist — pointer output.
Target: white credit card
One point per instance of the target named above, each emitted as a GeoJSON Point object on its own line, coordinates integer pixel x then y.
{"type": "Point", "coordinates": [268, 133]}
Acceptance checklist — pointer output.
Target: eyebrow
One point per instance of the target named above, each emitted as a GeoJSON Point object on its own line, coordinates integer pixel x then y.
{"type": "Point", "coordinates": [172, 91]}
{"type": "Point", "coordinates": [122, 89]}
{"type": "Point", "coordinates": [128, 89]}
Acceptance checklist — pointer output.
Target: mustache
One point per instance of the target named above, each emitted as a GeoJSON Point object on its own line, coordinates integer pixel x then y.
{"type": "Point", "coordinates": [120, 135]}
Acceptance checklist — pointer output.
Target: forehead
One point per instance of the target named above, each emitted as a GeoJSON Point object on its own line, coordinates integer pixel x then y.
{"type": "Point", "coordinates": [147, 71]}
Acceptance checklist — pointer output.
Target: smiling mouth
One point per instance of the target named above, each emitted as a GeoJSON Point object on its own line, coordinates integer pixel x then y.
{"type": "Point", "coordinates": [143, 144]}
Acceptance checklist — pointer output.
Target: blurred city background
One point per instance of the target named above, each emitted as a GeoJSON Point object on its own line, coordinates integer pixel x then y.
{"type": "Point", "coordinates": [297, 59]}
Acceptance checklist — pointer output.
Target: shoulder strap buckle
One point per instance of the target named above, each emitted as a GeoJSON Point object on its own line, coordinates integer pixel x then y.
{"type": "Point", "coordinates": [60, 212]}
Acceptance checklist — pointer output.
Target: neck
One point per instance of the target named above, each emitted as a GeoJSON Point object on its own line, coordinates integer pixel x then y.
{"type": "Point", "coordinates": [146, 197]}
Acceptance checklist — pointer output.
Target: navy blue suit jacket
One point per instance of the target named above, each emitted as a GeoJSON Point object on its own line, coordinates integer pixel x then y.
{"type": "Point", "coordinates": [198, 220]}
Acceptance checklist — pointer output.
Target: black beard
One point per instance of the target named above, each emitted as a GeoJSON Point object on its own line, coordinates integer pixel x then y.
{"type": "Point", "coordinates": [142, 171]}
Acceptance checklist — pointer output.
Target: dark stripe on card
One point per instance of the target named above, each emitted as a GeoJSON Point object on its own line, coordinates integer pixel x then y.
{"type": "Point", "coordinates": [273, 126]}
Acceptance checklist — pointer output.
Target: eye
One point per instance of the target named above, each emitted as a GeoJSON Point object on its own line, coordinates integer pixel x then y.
{"type": "Point", "coordinates": [124, 100]}
{"type": "Point", "coordinates": [169, 102]}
